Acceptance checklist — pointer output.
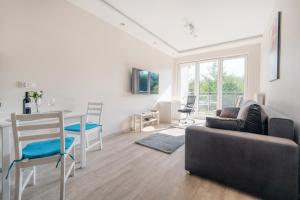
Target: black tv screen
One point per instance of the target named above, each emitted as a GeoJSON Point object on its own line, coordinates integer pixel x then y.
{"type": "Point", "coordinates": [154, 83]}
{"type": "Point", "coordinates": [144, 82]}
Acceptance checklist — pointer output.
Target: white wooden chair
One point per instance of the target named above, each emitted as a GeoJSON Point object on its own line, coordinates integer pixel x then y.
{"type": "Point", "coordinates": [50, 145]}
{"type": "Point", "coordinates": [94, 110]}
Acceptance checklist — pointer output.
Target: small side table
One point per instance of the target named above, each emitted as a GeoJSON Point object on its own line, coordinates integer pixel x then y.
{"type": "Point", "coordinates": [145, 118]}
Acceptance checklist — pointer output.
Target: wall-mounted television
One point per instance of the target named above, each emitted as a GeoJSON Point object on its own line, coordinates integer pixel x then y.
{"type": "Point", "coordinates": [154, 83]}
{"type": "Point", "coordinates": [144, 82]}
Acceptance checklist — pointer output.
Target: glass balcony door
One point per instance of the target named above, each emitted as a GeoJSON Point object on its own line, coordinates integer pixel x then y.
{"type": "Point", "coordinates": [208, 74]}
{"type": "Point", "coordinates": [187, 81]}
{"type": "Point", "coordinates": [233, 81]}
{"type": "Point", "coordinates": [216, 83]}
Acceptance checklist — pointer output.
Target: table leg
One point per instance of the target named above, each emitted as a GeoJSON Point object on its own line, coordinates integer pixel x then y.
{"type": "Point", "coordinates": [82, 142]}
{"type": "Point", "coordinates": [134, 123]}
{"type": "Point", "coordinates": [4, 132]}
{"type": "Point", "coordinates": [141, 123]}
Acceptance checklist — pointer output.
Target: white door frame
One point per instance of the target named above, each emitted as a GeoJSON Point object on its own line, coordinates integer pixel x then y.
{"type": "Point", "coordinates": [245, 56]}
{"type": "Point", "coordinates": [220, 61]}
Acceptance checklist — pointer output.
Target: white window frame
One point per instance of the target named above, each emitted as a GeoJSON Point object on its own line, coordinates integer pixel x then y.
{"type": "Point", "coordinates": [220, 61]}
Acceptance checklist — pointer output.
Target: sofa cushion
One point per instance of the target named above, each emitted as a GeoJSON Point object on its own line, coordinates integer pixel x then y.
{"type": "Point", "coordinates": [223, 123]}
{"type": "Point", "coordinates": [243, 112]}
{"type": "Point", "coordinates": [253, 122]}
{"type": "Point", "coordinates": [251, 113]}
{"type": "Point", "coordinates": [229, 112]}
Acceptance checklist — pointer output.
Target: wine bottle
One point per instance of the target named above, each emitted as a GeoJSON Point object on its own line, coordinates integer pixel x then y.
{"type": "Point", "coordinates": [26, 104]}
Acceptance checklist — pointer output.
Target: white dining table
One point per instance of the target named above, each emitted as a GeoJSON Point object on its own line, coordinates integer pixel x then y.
{"type": "Point", "coordinates": [6, 143]}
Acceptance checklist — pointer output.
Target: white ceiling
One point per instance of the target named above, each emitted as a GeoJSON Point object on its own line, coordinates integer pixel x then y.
{"type": "Point", "coordinates": [161, 23]}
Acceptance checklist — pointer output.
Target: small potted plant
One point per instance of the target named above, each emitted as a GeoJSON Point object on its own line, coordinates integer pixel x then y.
{"type": "Point", "coordinates": [37, 97]}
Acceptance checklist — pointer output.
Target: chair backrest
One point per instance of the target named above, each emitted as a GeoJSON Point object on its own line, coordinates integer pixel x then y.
{"type": "Point", "coordinates": [41, 127]}
{"type": "Point", "coordinates": [239, 101]}
{"type": "Point", "coordinates": [190, 101]}
{"type": "Point", "coordinates": [94, 109]}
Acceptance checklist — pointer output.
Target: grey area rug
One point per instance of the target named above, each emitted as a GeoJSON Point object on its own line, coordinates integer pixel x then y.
{"type": "Point", "coordinates": [162, 142]}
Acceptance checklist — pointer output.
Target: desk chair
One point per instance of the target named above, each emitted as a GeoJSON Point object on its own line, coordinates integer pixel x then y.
{"type": "Point", "coordinates": [188, 109]}
{"type": "Point", "coordinates": [239, 101]}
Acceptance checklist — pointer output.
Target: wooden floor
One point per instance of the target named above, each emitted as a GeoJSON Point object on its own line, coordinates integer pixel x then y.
{"type": "Point", "coordinates": [124, 170]}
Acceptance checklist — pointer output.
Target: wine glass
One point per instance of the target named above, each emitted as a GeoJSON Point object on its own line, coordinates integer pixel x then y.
{"type": "Point", "coordinates": [51, 103]}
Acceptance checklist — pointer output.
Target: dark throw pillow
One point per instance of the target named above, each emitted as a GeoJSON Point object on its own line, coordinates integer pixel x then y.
{"type": "Point", "coordinates": [253, 122]}
{"type": "Point", "coordinates": [230, 112]}
{"type": "Point", "coordinates": [223, 123]}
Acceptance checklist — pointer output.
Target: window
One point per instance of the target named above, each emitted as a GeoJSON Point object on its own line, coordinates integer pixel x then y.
{"type": "Point", "coordinates": [233, 73]}
{"type": "Point", "coordinates": [217, 83]}
{"type": "Point", "coordinates": [187, 80]}
{"type": "Point", "coordinates": [208, 87]}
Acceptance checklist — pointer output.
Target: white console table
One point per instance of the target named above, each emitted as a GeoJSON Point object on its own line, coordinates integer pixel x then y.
{"type": "Point", "coordinates": [145, 118]}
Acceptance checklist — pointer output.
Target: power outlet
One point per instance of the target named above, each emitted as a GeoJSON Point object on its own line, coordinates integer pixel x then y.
{"type": "Point", "coordinates": [25, 84]}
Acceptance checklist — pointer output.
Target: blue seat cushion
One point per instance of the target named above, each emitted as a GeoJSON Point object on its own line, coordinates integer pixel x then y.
{"type": "Point", "coordinates": [45, 148]}
{"type": "Point", "coordinates": [76, 127]}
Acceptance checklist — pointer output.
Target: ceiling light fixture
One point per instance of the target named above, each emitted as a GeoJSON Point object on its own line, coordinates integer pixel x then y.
{"type": "Point", "coordinates": [191, 28]}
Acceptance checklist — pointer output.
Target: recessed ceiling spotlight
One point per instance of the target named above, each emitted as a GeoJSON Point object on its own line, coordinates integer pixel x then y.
{"type": "Point", "coordinates": [122, 24]}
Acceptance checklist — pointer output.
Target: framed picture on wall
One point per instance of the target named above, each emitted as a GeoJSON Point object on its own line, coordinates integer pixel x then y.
{"type": "Point", "coordinates": [274, 52]}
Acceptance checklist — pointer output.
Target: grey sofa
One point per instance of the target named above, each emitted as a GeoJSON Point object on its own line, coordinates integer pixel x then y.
{"type": "Point", "coordinates": [263, 165]}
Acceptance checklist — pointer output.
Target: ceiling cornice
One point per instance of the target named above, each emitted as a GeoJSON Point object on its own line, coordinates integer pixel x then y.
{"type": "Point", "coordinates": [221, 43]}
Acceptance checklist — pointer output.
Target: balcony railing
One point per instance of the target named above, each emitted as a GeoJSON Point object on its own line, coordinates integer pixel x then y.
{"type": "Point", "coordinates": [207, 102]}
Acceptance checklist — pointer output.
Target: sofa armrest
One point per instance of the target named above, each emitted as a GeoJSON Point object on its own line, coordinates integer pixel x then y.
{"type": "Point", "coordinates": [262, 165]}
{"type": "Point", "coordinates": [223, 123]}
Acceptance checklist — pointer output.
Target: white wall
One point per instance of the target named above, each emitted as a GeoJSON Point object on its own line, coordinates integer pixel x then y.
{"type": "Point", "coordinates": [253, 65]}
{"type": "Point", "coordinates": [284, 94]}
{"type": "Point", "coordinates": [74, 57]}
